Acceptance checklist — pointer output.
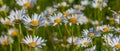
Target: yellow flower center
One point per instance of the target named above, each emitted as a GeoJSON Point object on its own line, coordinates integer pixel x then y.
{"type": "Point", "coordinates": [17, 21]}
{"type": "Point", "coordinates": [66, 14]}
{"type": "Point", "coordinates": [78, 7]}
{"type": "Point", "coordinates": [98, 6]}
{"type": "Point", "coordinates": [100, 1]}
{"type": "Point", "coordinates": [91, 34]}
{"type": "Point", "coordinates": [106, 29]}
{"type": "Point", "coordinates": [5, 42]}
{"type": "Point", "coordinates": [14, 33]}
{"type": "Point", "coordinates": [73, 20]}
{"type": "Point", "coordinates": [34, 23]}
{"type": "Point", "coordinates": [112, 21]}
{"type": "Point", "coordinates": [57, 20]}
{"type": "Point", "coordinates": [32, 44]}
{"type": "Point", "coordinates": [86, 43]}
{"type": "Point", "coordinates": [119, 12]}
{"type": "Point", "coordinates": [117, 46]}
{"type": "Point", "coordinates": [27, 4]}
{"type": "Point", "coordinates": [49, 12]}
{"type": "Point", "coordinates": [8, 23]}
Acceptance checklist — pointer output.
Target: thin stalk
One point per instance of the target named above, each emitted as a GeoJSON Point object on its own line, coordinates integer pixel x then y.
{"type": "Point", "coordinates": [59, 30]}
{"type": "Point", "coordinates": [20, 33]}
{"type": "Point", "coordinates": [33, 33]}
{"type": "Point", "coordinates": [10, 47]}
{"type": "Point", "coordinates": [5, 48]}
{"type": "Point", "coordinates": [67, 30]}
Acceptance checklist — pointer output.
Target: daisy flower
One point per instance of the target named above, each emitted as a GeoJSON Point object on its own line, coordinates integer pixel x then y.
{"type": "Point", "coordinates": [73, 19]}
{"type": "Point", "coordinates": [4, 8]}
{"type": "Point", "coordinates": [74, 40]}
{"type": "Point", "coordinates": [112, 20]}
{"type": "Point", "coordinates": [84, 2]}
{"type": "Point", "coordinates": [56, 19]}
{"type": "Point", "coordinates": [99, 4]}
{"type": "Point", "coordinates": [95, 22]}
{"type": "Point", "coordinates": [62, 4]}
{"type": "Point", "coordinates": [82, 19]}
{"type": "Point", "coordinates": [117, 30]}
{"type": "Point", "coordinates": [113, 41]}
{"type": "Point", "coordinates": [85, 42]}
{"type": "Point", "coordinates": [68, 12]}
{"type": "Point", "coordinates": [91, 49]}
{"type": "Point", "coordinates": [34, 41]}
{"type": "Point", "coordinates": [26, 3]}
{"type": "Point", "coordinates": [34, 22]}
{"type": "Point", "coordinates": [5, 40]}
{"type": "Point", "coordinates": [77, 19]}
{"type": "Point", "coordinates": [116, 17]}
{"type": "Point", "coordinates": [16, 16]}
{"type": "Point", "coordinates": [79, 7]}
{"type": "Point", "coordinates": [105, 28]}
{"type": "Point", "coordinates": [49, 11]}
{"type": "Point", "coordinates": [13, 32]}
{"type": "Point", "coordinates": [70, 1]}
{"type": "Point", "coordinates": [91, 33]}
{"type": "Point", "coordinates": [6, 21]}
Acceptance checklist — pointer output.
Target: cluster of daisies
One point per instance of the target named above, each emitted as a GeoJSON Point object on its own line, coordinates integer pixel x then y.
{"type": "Point", "coordinates": [51, 16]}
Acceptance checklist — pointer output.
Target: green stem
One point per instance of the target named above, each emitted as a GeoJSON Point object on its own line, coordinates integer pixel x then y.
{"type": "Point", "coordinates": [5, 48]}
{"type": "Point", "coordinates": [10, 47]}
{"type": "Point", "coordinates": [20, 33]}
{"type": "Point", "coordinates": [67, 30]}
{"type": "Point", "coordinates": [59, 30]}
{"type": "Point", "coordinates": [33, 33]}
{"type": "Point", "coordinates": [33, 49]}
{"type": "Point", "coordinates": [78, 28]}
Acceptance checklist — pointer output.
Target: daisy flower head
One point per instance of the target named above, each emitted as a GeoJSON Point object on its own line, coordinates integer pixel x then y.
{"type": "Point", "coordinates": [6, 21]}
{"type": "Point", "coordinates": [92, 32]}
{"type": "Point", "coordinates": [116, 17]}
{"type": "Point", "coordinates": [104, 28]}
{"type": "Point", "coordinates": [85, 42]}
{"type": "Point", "coordinates": [91, 48]}
{"type": "Point", "coordinates": [79, 7]}
{"type": "Point", "coordinates": [33, 22]}
{"type": "Point", "coordinates": [34, 41]}
{"type": "Point", "coordinates": [62, 4]}
{"type": "Point", "coordinates": [4, 8]}
{"type": "Point", "coordinates": [57, 18]}
{"type": "Point", "coordinates": [70, 1]}
{"type": "Point", "coordinates": [74, 41]}
{"type": "Point", "coordinates": [117, 30]}
{"type": "Point", "coordinates": [84, 2]}
{"type": "Point", "coordinates": [46, 22]}
{"type": "Point", "coordinates": [73, 19]}
{"type": "Point", "coordinates": [26, 3]}
{"type": "Point", "coordinates": [5, 40]}
{"type": "Point", "coordinates": [107, 36]}
{"type": "Point", "coordinates": [68, 12]}
{"type": "Point", "coordinates": [49, 11]}
{"type": "Point", "coordinates": [112, 20]}
{"type": "Point", "coordinates": [82, 19]}
{"type": "Point", "coordinates": [13, 32]}
{"type": "Point", "coordinates": [94, 22]}
{"type": "Point", "coordinates": [77, 19]}
{"type": "Point", "coordinates": [16, 16]}
{"type": "Point", "coordinates": [113, 41]}
{"type": "Point", "coordinates": [99, 4]}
